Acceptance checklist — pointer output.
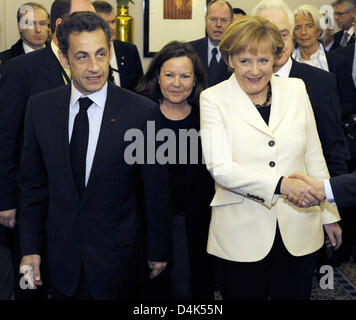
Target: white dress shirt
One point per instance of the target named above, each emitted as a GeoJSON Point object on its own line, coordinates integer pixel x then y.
{"type": "Point", "coordinates": [329, 192]}
{"type": "Point", "coordinates": [95, 116]}
{"type": "Point", "coordinates": [27, 48]}
{"type": "Point", "coordinates": [285, 70]}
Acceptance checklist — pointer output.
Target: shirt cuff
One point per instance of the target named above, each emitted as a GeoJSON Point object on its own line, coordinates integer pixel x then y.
{"type": "Point", "coordinates": [329, 192]}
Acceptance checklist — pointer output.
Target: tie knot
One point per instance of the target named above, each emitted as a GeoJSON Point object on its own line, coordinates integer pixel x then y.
{"type": "Point", "coordinates": [84, 103]}
{"type": "Point", "coordinates": [214, 51]}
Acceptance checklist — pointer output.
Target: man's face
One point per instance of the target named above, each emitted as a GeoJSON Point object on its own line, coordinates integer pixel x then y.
{"type": "Point", "coordinates": [88, 60]}
{"type": "Point", "coordinates": [216, 21]}
{"type": "Point", "coordinates": [110, 20]}
{"type": "Point", "coordinates": [344, 16]}
{"type": "Point", "coordinates": [34, 32]}
{"type": "Point", "coordinates": [280, 19]}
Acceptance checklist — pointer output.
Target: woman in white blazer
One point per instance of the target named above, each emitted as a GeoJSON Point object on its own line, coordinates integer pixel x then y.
{"type": "Point", "coordinates": [257, 129]}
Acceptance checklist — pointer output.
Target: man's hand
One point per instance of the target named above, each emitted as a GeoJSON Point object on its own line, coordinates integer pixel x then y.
{"type": "Point", "coordinates": [7, 218]}
{"type": "Point", "coordinates": [157, 268]}
{"type": "Point", "coordinates": [299, 192]}
{"type": "Point", "coordinates": [33, 261]}
{"type": "Point", "coordinates": [334, 233]}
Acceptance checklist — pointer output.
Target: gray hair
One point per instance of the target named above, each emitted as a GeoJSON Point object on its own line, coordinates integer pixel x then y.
{"type": "Point", "coordinates": [312, 11]}
{"type": "Point", "coordinates": [277, 4]}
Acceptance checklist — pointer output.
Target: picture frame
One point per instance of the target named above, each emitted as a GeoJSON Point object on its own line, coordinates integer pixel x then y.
{"type": "Point", "coordinates": [155, 26]}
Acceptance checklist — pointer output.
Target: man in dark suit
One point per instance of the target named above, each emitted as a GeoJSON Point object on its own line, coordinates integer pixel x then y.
{"type": "Point", "coordinates": [218, 17]}
{"type": "Point", "coordinates": [32, 22]}
{"type": "Point", "coordinates": [77, 178]}
{"type": "Point", "coordinates": [321, 87]}
{"type": "Point", "coordinates": [344, 13]}
{"type": "Point", "coordinates": [21, 78]}
{"type": "Point", "coordinates": [348, 78]}
{"type": "Point", "coordinates": [125, 64]}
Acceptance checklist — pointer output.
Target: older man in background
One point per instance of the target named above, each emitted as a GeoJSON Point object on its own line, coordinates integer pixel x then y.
{"type": "Point", "coordinates": [218, 17]}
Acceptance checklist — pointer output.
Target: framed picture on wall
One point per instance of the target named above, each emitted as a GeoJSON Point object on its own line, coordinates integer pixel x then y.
{"type": "Point", "coordinates": [168, 20]}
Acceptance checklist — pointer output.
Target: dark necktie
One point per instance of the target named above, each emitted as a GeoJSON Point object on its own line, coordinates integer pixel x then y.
{"type": "Point", "coordinates": [79, 144]}
{"type": "Point", "coordinates": [344, 38]}
{"type": "Point", "coordinates": [213, 66]}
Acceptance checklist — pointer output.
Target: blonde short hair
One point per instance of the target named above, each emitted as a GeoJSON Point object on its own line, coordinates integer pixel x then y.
{"type": "Point", "coordinates": [311, 11]}
{"type": "Point", "coordinates": [253, 34]}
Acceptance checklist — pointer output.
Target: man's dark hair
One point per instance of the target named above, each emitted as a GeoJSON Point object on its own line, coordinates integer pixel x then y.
{"type": "Point", "coordinates": [102, 6]}
{"type": "Point", "coordinates": [149, 84]}
{"type": "Point", "coordinates": [34, 5]}
{"type": "Point", "coordinates": [239, 11]}
{"type": "Point", "coordinates": [223, 1]}
{"type": "Point", "coordinates": [59, 9]}
{"type": "Point", "coordinates": [84, 21]}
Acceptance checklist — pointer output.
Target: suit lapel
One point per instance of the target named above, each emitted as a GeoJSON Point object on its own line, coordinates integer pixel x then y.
{"type": "Point", "coordinates": [280, 103]}
{"type": "Point", "coordinates": [61, 117]}
{"type": "Point", "coordinates": [243, 107]}
{"type": "Point", "coordinates": [52, 69]}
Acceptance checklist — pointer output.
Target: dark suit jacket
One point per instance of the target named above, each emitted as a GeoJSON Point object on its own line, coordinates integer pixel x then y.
{"type": "Point", "coordinates": [322, 90]}
{"type": "Point", "coordinates": [21, 78]}
{"type": "Point", "coordinates": [347, 87]}
{"type": "Point", "coordinates": [92, 230]}
{"type": "Point", "coordinates": [129, 64]}
{"type": "Point", "coordinates": [201, 48]}
{"type": "Point", "coordinates": [337, 39]}
{"type": "Point", "coordinates": [344, 190]}
{"type": "Point", "coordinates": [14, 51]}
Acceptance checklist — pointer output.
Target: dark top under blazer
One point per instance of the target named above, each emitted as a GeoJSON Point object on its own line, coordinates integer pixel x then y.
{"type": "Point", "coordinates": [337, 39]}
{"type": "Point", "coordinates": [14, 51]}
{"type": "Point", "coordinates": [93, 229]}
{"type": "Point", "coordinates": [347, 89]}
{"type": "Point", "coordinates": [129, 64]}
{"type": "Point", "coordinates": [22, 77]}
{"type": "Point", "coordinates": [201, 48]}
{"type": "Point", "coordinates": [322, 90]}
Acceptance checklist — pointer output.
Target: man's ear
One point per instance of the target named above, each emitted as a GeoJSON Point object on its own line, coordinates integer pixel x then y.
{"type": "Point", "coordinates": [58, 21]}
{"type": "Point", "coordinates": [63, 60]}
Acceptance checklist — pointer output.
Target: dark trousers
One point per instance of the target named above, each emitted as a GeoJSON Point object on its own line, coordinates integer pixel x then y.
{"type": "Point", "coordinates": [174, 282]}
{"type": "Point", "coordinates": [279, 276]}
{"type": "Point", "coordinates": [82, 292]}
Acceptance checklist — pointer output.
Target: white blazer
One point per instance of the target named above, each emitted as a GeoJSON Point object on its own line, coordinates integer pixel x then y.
{"type": "Point", "coordinates": [246, 158]}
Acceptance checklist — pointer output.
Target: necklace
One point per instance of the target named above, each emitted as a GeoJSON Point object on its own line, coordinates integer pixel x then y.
{"type": "Point", "coordinates": [269, 95]}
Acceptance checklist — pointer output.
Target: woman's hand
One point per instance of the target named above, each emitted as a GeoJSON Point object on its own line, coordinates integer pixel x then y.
{"type": "Point", "coordinates": [299, 192]}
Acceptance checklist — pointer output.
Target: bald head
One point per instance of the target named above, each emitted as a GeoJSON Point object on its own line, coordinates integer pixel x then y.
{"type": "Point", "coordinates": [81, 5]}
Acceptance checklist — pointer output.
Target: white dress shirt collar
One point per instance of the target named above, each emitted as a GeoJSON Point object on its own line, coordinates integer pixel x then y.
{"type": "Point", "coordinates": [98, 97]}
{"type": "Point", "coordinates": [27, 48]}
{"type": "Point", "coordinates": [285, 70]}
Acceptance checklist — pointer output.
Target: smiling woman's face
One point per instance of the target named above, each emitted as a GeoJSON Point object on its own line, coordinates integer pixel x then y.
{"type": "Point", "coordinates": [252, 72]}
{"type": "Point", "coordinates": [176, 80]}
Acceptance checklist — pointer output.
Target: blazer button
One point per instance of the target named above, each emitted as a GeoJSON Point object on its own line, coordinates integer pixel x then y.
{"type": "Point", "coordinates": [271, 143]}
{"type": "Point", "coordinates": [272, 164]}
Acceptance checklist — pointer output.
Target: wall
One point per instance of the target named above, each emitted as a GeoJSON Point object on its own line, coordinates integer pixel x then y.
{"type": "Point", "coordinates": [9, 33]}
